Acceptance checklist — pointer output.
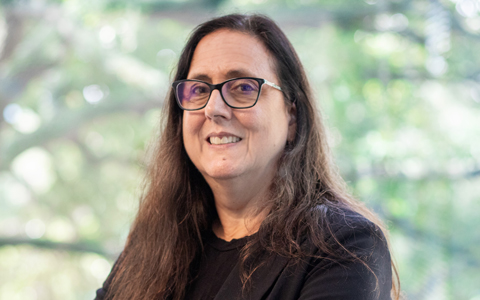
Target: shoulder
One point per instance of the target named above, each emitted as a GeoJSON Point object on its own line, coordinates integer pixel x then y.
{"type": "Point", "coordinates": [340, 217]}
{"type": "Point", "coordinates": [342, 225]}
{"type": "Point", "coordinates": [356, 262]}
{"type": "Point", "coordinates": [101, 293]}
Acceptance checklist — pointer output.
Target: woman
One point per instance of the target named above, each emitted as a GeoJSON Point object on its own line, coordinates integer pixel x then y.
{"type": "Point", "coordinates": [242, 200]}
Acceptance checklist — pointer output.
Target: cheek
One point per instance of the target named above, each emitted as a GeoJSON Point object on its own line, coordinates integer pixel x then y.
{"type": "Point", "coordinates": [191, 122]}
{"type": "Point", "coordinates": [253, 123]}
{"type": "Point", "coordinates": [269, 126]}
{"type": "Point", "coordinates": [191, 127]}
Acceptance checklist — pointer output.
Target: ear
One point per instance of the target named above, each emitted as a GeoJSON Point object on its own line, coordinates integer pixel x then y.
{"type": "Point", "coordinates": [292, 122]}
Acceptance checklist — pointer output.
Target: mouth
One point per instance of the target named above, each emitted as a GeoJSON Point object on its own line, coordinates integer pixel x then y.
{"type": "Point", "coordinates": [216, 140]}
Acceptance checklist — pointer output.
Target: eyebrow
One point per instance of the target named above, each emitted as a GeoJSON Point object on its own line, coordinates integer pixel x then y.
{"type": "Point", "coordinates": [229, 75]}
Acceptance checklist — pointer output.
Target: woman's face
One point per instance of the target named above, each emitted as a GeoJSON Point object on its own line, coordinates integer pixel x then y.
{"type": "Point", "coordinates": [256, 136]}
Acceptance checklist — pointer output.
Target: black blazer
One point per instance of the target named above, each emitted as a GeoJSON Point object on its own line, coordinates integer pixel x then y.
{"type": "Point", "coordinates": [320, 278]}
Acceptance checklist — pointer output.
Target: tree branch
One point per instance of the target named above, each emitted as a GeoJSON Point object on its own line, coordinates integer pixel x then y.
{"type": "Point", "coordinates": [14, 35]}
{"type": "Point", "coordinates": [432, 237]}
{"type": "Point", "coordinates": [67, 121]}
{"type": "Point", "coordinates": [85, 247]}
{"type": "Point", "coordinates": [380, 171]}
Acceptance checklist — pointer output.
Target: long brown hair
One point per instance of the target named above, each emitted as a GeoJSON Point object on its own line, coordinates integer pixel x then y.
{"type": "Point", "coordinates": [177, 206]}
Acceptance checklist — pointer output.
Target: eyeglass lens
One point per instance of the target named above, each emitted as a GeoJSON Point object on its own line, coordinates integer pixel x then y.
{"type": "Point", "coordinates": [239, 93]}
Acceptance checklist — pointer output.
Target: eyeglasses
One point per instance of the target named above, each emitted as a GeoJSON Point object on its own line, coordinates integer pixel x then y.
{"type": "Point", "coordinates": [239, 93]}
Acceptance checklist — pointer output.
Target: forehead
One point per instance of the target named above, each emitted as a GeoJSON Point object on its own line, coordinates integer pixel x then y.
{"type": "Point", "coordinates": [226, 54]}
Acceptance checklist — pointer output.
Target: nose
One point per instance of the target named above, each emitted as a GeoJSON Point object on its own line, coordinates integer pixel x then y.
{"type": "Point", "coordinates": [217, 108]}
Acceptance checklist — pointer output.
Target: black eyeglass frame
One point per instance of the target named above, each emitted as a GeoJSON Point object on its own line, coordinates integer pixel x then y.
{"type": "Point", "coordinates": [219, 87]}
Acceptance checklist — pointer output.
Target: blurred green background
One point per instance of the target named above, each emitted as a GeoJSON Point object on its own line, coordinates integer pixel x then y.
{"type": "Point", "coordinates": [81, 88]}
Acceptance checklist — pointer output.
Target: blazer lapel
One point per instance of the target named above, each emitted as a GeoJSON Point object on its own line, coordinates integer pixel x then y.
{"type": "Point", "coordinates": [262, 280]}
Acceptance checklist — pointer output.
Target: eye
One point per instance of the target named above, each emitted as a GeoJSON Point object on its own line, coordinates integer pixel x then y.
{"type": "Point", "coordinates": [244, 86]}
{"type": "Point", "coordinates": [199, 89]}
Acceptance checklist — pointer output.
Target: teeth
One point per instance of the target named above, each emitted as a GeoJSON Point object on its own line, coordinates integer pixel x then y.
{"type": "Point", "coordinates": [215, 140]}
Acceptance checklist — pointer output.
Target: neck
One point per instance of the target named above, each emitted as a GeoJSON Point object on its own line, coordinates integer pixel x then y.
{"type": "Point", "coordinates": [241, 208]}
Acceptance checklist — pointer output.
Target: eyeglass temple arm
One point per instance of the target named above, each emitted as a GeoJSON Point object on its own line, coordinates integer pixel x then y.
{"type": "Point", "coordinates": [273, 85]}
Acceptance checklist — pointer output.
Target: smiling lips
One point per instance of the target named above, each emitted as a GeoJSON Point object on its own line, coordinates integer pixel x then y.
{"type": "Point", "coordinates": [215, 140]}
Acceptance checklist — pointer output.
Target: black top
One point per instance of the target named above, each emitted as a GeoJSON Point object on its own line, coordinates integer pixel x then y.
{"type": "Point", "coordinates": [215, 265]}
{"type": "Point", "coordinates": [320, 277]}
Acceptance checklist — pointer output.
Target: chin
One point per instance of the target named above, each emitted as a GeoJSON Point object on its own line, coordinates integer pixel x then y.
{"type": "Point", "coordinates": [222, 173]}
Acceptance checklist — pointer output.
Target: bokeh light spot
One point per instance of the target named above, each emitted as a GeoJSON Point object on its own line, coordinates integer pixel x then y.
{"type": "Point", "coordinates": [34, 166]}
{"type": "Point", "coordinates": [35, 229]}
{"type": "Point", "coordinates": [93, 93]}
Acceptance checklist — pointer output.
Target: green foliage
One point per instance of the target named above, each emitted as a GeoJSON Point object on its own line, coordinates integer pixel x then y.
{"type": "Point", "coordinates": [81, 89]}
